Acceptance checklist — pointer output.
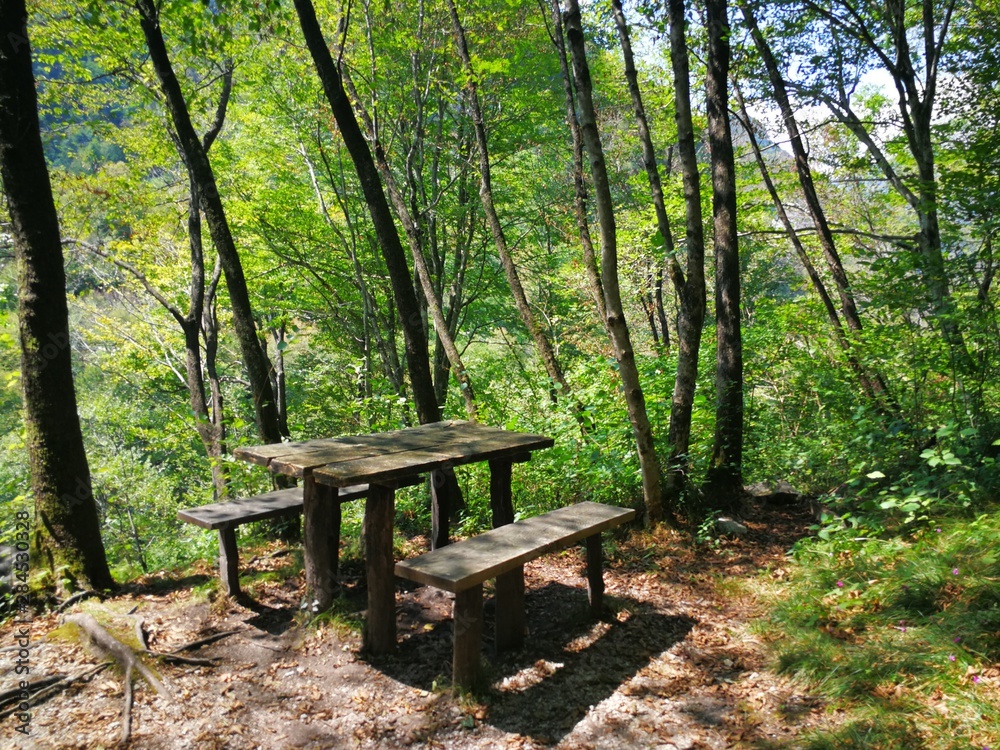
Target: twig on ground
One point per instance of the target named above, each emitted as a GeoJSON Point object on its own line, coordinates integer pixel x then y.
{"type": "Point", "coordinates": [204, 641]}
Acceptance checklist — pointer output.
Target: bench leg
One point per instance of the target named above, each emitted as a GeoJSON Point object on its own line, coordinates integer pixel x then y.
{"type": "Point", "coordinates": [229, 560]}
{"type": "Point", "coordinates": [317, 521]}
{"type": "Point", "coordinates": [510, 609]}
{"type": "Point", "coordinates": [468, 616]}
{"type": "Point", "coordinates": [595, 575]}
{"type": "Point", "coordinates": [380, 625]}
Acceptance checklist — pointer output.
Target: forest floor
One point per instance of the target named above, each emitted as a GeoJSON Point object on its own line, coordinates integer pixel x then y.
{"type": "Point", "coordinates": [677, 664]}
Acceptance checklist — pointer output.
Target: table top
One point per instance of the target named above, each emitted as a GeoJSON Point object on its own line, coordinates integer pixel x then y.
{"type": "Point", "coordinates": [384, 457]}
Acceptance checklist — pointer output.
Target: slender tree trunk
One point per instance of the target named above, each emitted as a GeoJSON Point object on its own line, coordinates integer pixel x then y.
{"type": "Point", "coordinates": [196, 160]}
{"type": "Point", "coordinates": [66, 539]}
{"type": "Point", "coordinates": [545, 348]}
{"type": "Point", "coordinates": [616, 324]}
{"type": "Point", "coordinates": [831, 310]}
{"type": "Point", "coordinates": [725, 474]}
{"type": "Point", "coordinates": [579, 180]}
{"type": "Point", "coordinates": [279, 382]}
{"type": "Point", "coordinates": [408, 308]}
{"type": "Point", "coordinates": [691, 294]}
{"type": "Point", "coordinates": [875, 386]}
{"type": "Point", "coordinates": [648, 150]}
{"type": "Point", "coordinates": [413, 236]}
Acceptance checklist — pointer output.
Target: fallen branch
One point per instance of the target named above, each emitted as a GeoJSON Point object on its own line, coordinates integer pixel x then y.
{"type": "Point", "coordinates": [46, 688]}
{"type": "Point", "coordinates": [125, 657]}
{"type": "Point", "coordinates": [204, 641]}
{"type": "Point", "coordinates": [178, 659]}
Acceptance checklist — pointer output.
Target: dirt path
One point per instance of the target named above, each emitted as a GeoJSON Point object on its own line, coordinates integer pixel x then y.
{"type": "Point", "coordinates": [675, 666]}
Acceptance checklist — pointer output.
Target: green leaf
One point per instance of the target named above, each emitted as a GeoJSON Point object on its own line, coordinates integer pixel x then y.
{"type": "Point", "coordinates": [875, 475]}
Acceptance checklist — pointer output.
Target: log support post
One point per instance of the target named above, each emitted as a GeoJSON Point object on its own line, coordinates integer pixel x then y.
{"type": "Point", "coordinates": [468, 616]}
{"type": "Point", "coordinates": [510, 610]}
{"type": "Point", "coordinates": [380, 624]}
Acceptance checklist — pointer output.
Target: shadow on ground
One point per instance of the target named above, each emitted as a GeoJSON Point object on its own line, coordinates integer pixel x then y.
{"type": "Point", "coordinates": [568, 664]}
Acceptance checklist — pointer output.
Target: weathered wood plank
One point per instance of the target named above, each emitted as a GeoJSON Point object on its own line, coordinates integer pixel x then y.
{"type": "Point", "coordinates": [268, 505]}
{"type": "Point", "coordinates": [477, 559]}
{"type": "Point", "coordinates": [456, 451]}
{"type": "Point", "coordinates": [258, 508]}
{"type": "Point", "coordinates": [289, 452]}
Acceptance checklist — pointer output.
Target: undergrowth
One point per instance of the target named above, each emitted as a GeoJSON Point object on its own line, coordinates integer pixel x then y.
{"type": "Point", "coordinates": [896, 622]}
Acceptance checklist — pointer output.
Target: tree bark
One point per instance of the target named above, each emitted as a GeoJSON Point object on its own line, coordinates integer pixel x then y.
{"type": "Point", "coordinates": [691, 312]}
{"type": "Point", "coordinates": [916, 110]}
{"type": "Point", "coordinates": [579, 180]}
{"type": "Point", "coordinates": [194, 153]}
{"type": "Point", "coordinates": [545, 349]}
{"type": "Point", "coordinates": [615, 322]}
{"type": "Point", "coordinates": [66, 539]}
{"type": "Point", "coordinates": [831, 310]}
{"type": "Point", "coordinates": [648, 150]}
{"type": "Point", "coordinates": [725, 474]}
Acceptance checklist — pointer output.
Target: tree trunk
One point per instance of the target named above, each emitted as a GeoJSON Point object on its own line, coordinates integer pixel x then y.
{"type": "Point", "coordinates": [413, 236]}
{"type": "Point", "coordinates": [579, 180]}
{"type": "Point", "coordinates": [195, 157]}
{"type": "Point", "coordinates": [616, 324]}
{"type": "Point", "coordinates": [875, 386]}
{"type": "Point", "coordinates": [831, 311]}
{"type": "Point", "coordinates": [67, 537]}
{"type": "Point", "coordinates": [691, 312]}
{"type": "Point", "coordinates": [408, 308]}
{"type": "Point", "coordinates": [648, 150]}
{"type": "Point", "coordinates": [545, 349]}
{"type": "Point", "coordinates": [725, 474]}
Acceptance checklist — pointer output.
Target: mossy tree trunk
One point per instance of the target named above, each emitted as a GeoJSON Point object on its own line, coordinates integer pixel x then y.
{"type": "Point", "coordinates": [67, 539]}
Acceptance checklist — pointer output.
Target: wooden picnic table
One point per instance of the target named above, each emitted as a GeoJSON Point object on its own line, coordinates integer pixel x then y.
{"type": "Point", "coordinates": [383, 460]}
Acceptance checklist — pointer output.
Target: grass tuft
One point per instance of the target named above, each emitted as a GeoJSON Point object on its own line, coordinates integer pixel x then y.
{"type": "Point", "coordinates": [901, 634]}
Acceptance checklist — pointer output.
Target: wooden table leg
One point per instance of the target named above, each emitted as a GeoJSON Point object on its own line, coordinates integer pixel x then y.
{"type": "Point", "coordinates": [595, 575]}
{"type": "Point", "coordinates": [468, 616]}
{"type": "Point", "coordinates": [380, 625]}
{"type": "Point", "coordinates": [501, 500]}
{"type": "Point", "coordinates": [336, 513]}
{"type": "Point", "coordinates": [317, 521]}
{"type": "Point", "coordinates": [510, 609]}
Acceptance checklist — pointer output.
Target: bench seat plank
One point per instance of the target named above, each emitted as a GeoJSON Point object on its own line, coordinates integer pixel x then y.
{"type": "Point", "coordinates": [470, 562]}
{"type": "Point", "coordinates": [257, 508]}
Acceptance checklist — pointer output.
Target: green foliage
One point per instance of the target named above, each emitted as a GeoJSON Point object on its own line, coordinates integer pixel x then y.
{"type": "Point", "coordinates": [952, 476]}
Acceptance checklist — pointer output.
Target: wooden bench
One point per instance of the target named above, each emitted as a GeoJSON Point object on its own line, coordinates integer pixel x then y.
{"type": "Point", "coordinates": [501, 553]}
{"type": "Point", "coordinates": [226, 517]}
